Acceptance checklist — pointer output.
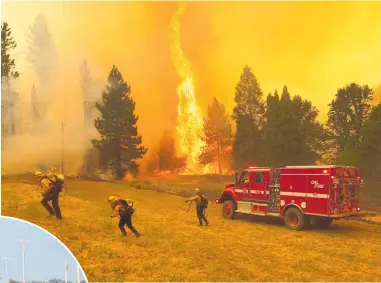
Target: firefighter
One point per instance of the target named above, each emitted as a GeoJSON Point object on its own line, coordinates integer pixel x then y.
{"type": "Point", "coordinates": [201, 205]}
{"type": "Point", "coordinates": [123, 209]}
{"type": "Point", "coordinates": [51, 184]}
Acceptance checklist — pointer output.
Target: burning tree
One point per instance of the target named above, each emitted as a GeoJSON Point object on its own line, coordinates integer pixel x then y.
{"type": "Point", "coordinates": [120, 144]}
{"type": "Point", "coordinates": [189, 120]}
{"type": "Point", "coordinates": [163, 157]}
{"type": "Point", "coordinates": [167, 159]}
{"type": "Point", "coordinates": [217, 135]}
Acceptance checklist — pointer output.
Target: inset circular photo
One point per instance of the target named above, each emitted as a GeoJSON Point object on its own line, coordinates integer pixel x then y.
{"type": "Point", "coordinates": [29, 254]}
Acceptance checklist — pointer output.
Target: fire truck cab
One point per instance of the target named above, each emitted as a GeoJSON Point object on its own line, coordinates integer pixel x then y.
{"type": "Point", "coordinates": [302, 195]}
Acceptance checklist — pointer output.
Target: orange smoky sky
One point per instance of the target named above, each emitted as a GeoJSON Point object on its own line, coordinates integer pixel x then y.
{"type": "Point", "coordinates": [312, 47]}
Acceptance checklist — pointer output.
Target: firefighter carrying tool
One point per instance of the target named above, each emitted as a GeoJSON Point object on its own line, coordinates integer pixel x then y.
{"type": "Point", "coordinates": [302, 195]}
{"type": "Point", "coordinates": [51, 184]}
{"type": "Point", "coordinates": [124, 210]}
{"type": "Point", "coordinates": [201, 205]}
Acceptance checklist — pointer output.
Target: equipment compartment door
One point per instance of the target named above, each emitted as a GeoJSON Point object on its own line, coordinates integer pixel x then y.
{"type": "Point", "coordinates": [318, 194]}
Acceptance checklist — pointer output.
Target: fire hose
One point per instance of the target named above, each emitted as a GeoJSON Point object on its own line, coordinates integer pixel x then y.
{"type": "Point", "coordinates": [362, 219]}
{"type": "Point", "coordinates": [190, 204]}
{"type": "Point", "coordinates": [64, 194]}
{"type": "Point", "coordinates": [367, 221]}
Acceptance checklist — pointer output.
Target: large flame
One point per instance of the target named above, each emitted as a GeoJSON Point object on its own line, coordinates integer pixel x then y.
{"type": "Point", "coordinates": [189, 120]}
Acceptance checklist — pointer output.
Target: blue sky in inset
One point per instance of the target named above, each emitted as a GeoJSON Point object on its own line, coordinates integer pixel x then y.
{"type": "Point", "coordinates": [44, 256]}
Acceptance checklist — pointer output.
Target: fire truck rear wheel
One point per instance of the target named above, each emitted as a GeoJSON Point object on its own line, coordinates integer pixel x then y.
{"type": "Point", "coordinates": [294, 219]}
{"type": "Point", "coordinates": [228, 209]}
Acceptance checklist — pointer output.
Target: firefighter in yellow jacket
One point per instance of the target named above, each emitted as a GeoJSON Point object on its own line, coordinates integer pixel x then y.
{"type": "Point", "coordinates": [124, 210]}
{"type": "Point", "coordinates": [51, 185]}
{"type": "Point", "coordinates": [201, 205]}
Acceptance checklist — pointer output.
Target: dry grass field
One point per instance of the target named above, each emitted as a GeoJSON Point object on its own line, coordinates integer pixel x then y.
{"type": "Point", "coordinates": [174, 248]}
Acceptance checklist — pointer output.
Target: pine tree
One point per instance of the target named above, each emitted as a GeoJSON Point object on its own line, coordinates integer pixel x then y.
{"type": "Point", "coordinates": [120, 144]}
{"type": "Point", "coordinates": [34, 105]}
{"type": "Point", "coordinates": [346, 117]}
{"type": "Point", "coordinates": [310, 133]}
{"type": "Point", "coordinates": [7, 45]}
{"type": "Point", "coordinates": [292, 134]}
{"type": "Point", "coordinates": [249, 117]}
{"type": "Point", "coordinates": [217, 135]}
{"type": "Point", "coordinates": [88, 108]}
{"type": "Point", "coordinates": [86, 83]}
{"type": "Point", "coordinates": [9, 98]}
{"type": "Point", "coordinates": [86, 80]}
{"type": "Point", "coordinates": [43, 56]}
{"type": "Point", "coordinates": [271, 132]}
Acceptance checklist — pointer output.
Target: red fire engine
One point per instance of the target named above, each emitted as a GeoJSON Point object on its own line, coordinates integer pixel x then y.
{"type": "Point", "coordinates": [302, 195]}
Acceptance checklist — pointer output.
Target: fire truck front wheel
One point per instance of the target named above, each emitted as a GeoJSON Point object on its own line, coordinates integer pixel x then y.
{"type": "Point", "coordinates": [294, 219]}
{"type": "Point", "coordinates": [228, 209]}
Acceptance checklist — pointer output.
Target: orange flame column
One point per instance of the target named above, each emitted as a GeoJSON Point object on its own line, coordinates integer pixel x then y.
{"type": "Point", "coordinates": [189, 120]}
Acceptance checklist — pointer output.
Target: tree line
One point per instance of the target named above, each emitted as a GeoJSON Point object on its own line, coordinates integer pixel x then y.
{"type": "Point", "coordinates": [277, 130]}
{"type": "Point", "coordinates": [283, 129]}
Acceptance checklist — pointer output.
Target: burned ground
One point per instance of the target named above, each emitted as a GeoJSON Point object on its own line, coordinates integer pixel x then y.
{"type": "Point", "coordinates": [174, 248]}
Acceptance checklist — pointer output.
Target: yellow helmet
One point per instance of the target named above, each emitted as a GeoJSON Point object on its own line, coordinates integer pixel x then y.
{"type": "Point", "coordinates": [53, 170]}
{"type": "Point", "coordinates": [112, 199]}
{"type": "Point", "coordinates": [197, 190]}
{"type": "Point", "coordinates": [37, 174]}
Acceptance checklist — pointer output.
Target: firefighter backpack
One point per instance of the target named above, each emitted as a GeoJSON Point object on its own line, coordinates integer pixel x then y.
{"type": "Point", "coordinates": [204, 201]}
{"type": "Point", "coordinates": [127, 206]}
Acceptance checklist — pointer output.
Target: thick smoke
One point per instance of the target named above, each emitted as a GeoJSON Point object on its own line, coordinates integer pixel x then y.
{"type": "Point", "coordinates": [51, 127]}
{"type": "Point", "coordinates": [43, 56]}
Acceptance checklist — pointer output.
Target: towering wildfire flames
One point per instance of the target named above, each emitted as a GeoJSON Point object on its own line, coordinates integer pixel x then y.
{"type": "Point", "coordinates": [189, 121]}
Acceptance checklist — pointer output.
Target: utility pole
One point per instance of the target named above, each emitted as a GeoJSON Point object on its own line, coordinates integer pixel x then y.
{"type": "Point", "coordinates": [64, 115]}
{"type": "Point", "coordinates": [6, 267]}
{"type": "Point", "coordinates": [78, 281]}
{"type": "Point", "coordinates": [62, 158]}
{"type": "Point", "coordinates": [23, 243]}
{"type": "Point", "coordinates": [66, 267]}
